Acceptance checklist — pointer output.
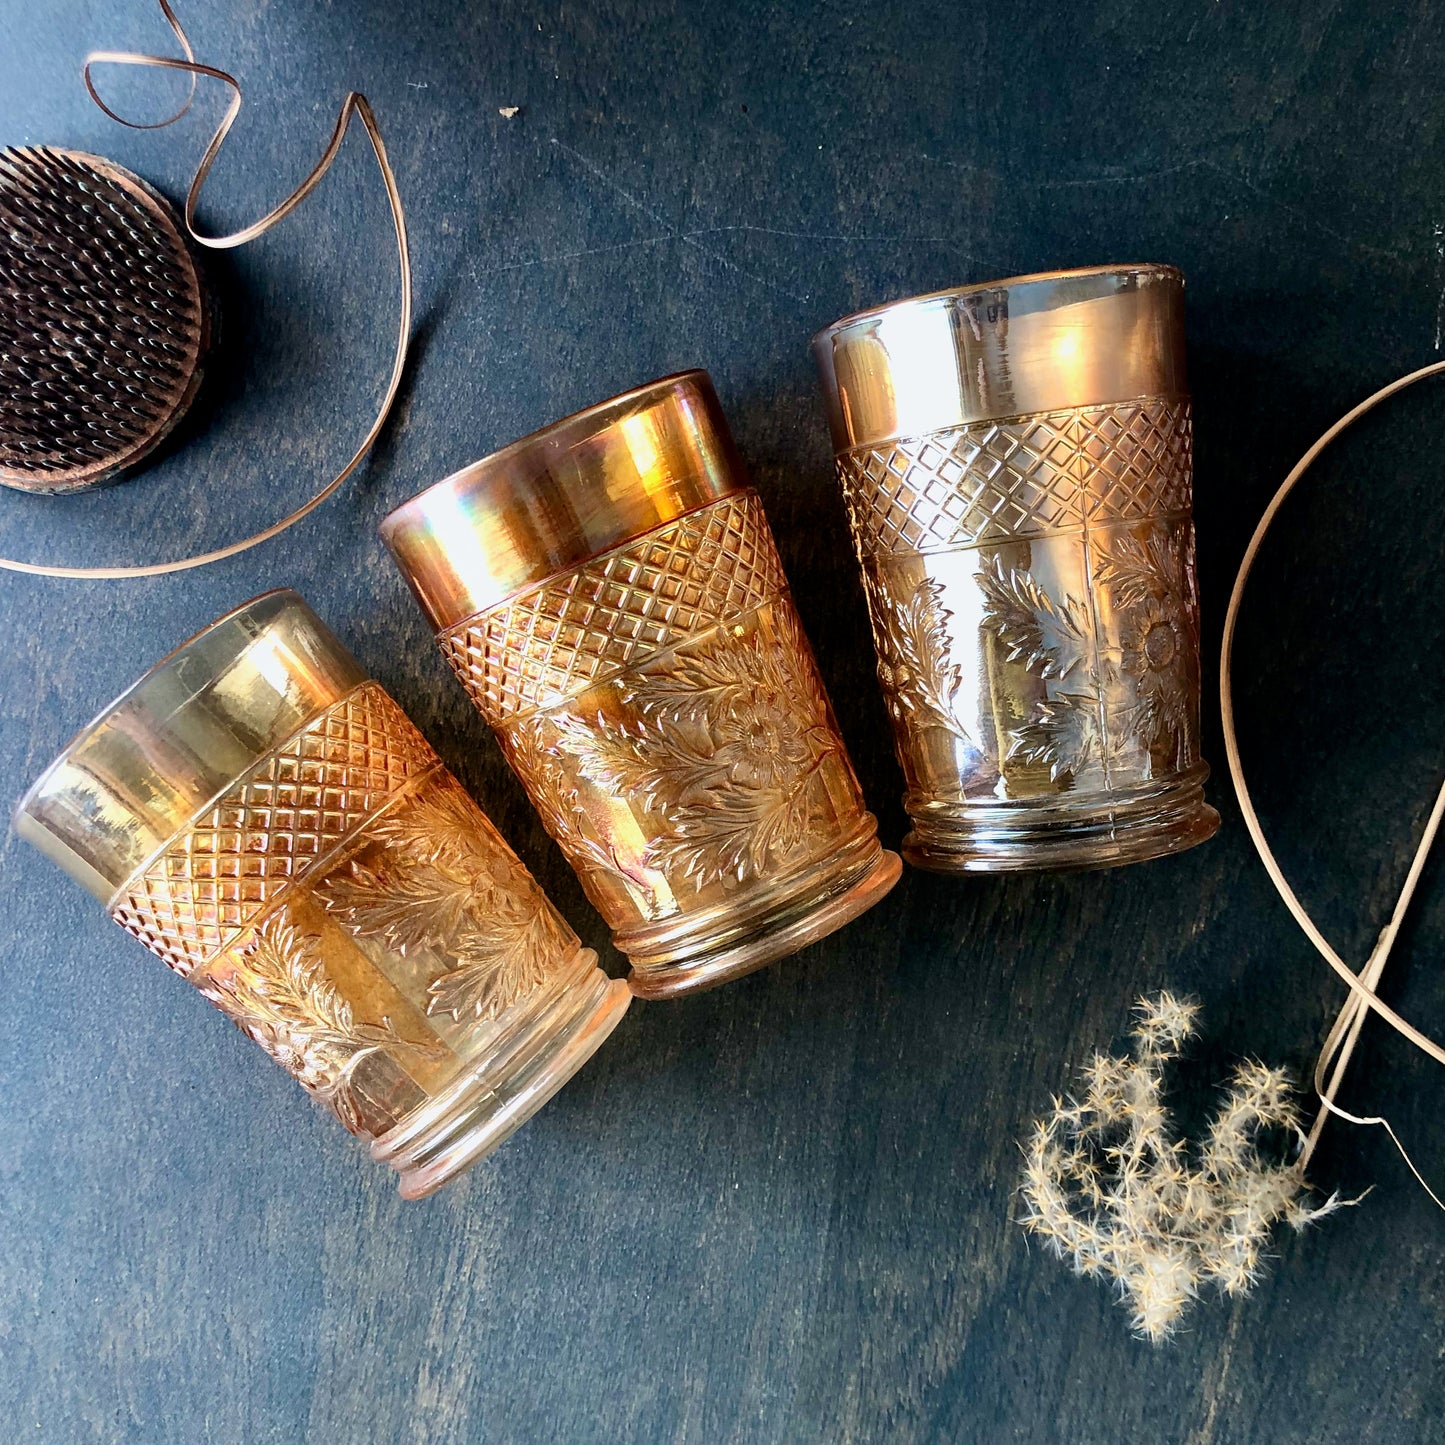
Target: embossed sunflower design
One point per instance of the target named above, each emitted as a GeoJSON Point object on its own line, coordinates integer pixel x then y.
{"type": "Point", "coordinates": [1152, 657]}
{"type": "Point", "coordinates": [1147, 580]}
{"type": "Point", "coordinates": [760, 745]}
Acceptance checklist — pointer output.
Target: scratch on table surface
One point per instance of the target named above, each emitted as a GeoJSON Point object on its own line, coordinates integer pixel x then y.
{"type": "Point", "coordinates": [1304, 217]}
{"type": "Point", "coordinates": [1122, 177]}
{"type": "Point", "coordinates": [1439, 281]}
{"type": "Point", "coordinates": [1119, 177]}
{"type": "Point", "coordinates": [637, 203]}
{"type": "Point", "coordinates": [889, 239]}
{"type": "Point", "coordinates": [1214, 1385]}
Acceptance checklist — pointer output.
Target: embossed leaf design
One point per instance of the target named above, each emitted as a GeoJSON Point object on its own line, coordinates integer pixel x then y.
{"type": "Point", "coordinates": [441, 885]}
{"type": "Point", "coordinates": [728, 735]}
{"type": "Point", "coordinates": [437, 825]}
{"type": "Point", "coordinates": [686, 688]}
{"type": "Point", "coordinates": [277, 992]}
{"type": "Point", "coordinates": [543, 768]}
{"type": "Point", "coordinates": [920, 679]}
{"type": "Point", "coordinates": [494, 970]}
{"type": "Point", "coordinates": [408, 906]}
{"type": "Point", "coordinates": [1161, 712]}
{"type": "Point", "coordinates": [693, 682]}
{"type": "Point", "coordinates": [735, 835]}
{"type": "Point", "coordinates": [1063, 733]}
{"type": "Point", "coordinates": [626, 758]}
{"type": "Point", "coordinates": [1050, 639]}
{"type": "Point", "coordinates": [539, 765]}
{"type": "Point", "coordinates": [1055, 641]}
{"type": "Point", "coordinates": [1133, 570]}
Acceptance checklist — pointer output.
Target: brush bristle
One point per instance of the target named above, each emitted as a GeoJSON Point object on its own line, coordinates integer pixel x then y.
{"type": "Point", "coordinates": [103, 320]}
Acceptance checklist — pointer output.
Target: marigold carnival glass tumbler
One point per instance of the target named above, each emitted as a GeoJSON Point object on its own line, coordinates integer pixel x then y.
{"type": "Point", "coordinates": [1016, 463]}
{"type": "Point", "coordinates": [263, 817]}
{"type": "Point", "coordinates": [608, 592]}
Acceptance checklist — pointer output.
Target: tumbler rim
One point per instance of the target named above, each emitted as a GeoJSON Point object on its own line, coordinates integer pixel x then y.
{"type": "Point", "coordinates": [563, 494]}
{"type": "Point", "coordinates": [126, 783]}
{"type": "Point", "coordinates": [994, 351]}
{"type": "Point", "coordinates": [1159, 269]}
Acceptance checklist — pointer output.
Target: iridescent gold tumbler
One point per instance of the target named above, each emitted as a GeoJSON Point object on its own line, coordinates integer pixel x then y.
{"type": "Point", "coordinates": [1016, 463]}
{"type": "Point", "coordinates": [265, 819]}
{"type": "Point", "coordinates": [608, 592]}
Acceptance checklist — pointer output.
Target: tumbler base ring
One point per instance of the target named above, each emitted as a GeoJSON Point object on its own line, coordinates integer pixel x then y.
{"type": "Point", "coordinates": [1077, 835]}
{"type": "Point", "coordinates": [509, 1083]}
{"type": "Point", "coordinates": [803, 910]}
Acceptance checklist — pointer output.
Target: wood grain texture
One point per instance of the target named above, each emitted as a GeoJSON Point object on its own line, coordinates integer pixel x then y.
{"type": "Point", "coordinates": [780, 1211]}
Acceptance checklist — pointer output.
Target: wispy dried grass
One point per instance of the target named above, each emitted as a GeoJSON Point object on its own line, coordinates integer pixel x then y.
{"type": "Point", "coordinates": [1113, 1191]}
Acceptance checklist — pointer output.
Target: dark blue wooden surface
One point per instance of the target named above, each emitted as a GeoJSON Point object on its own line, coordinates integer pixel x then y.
{"type": "Point", "coordinates": [782, 1210]}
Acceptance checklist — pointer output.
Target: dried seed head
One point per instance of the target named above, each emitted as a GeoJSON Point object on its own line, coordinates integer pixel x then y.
{"type": "Point", "coordinates": [1109, 1188]}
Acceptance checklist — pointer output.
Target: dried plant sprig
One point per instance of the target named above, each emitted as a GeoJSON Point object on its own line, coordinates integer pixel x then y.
{"type": "Point", "coordinates": [1110, 1189]}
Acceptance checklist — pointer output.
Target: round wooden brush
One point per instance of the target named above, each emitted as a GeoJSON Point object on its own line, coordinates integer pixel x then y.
{"type": "Point", "coordinates": [104, 320]}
